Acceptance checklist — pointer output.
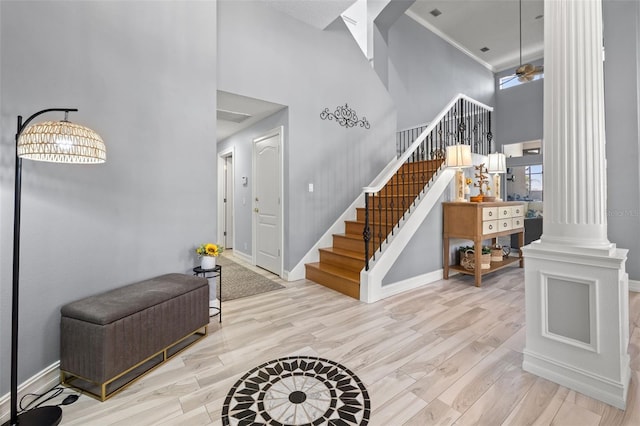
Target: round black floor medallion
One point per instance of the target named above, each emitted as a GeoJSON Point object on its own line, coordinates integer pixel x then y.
{"type": "Point", "coordinates": [297, 390]}
{"type": "Point", "coordinates": [297, 397]}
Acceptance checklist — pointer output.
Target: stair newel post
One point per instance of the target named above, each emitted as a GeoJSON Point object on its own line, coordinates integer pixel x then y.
{"type": "Point", "coordinates": [366, 233]}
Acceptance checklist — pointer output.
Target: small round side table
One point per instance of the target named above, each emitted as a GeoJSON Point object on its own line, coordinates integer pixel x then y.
{"type": "Point", "coordinates": [215, 272]}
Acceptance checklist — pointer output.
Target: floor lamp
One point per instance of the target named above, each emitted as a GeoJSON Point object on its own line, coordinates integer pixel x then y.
{"type": "Point", "coordinates": [58, 142]}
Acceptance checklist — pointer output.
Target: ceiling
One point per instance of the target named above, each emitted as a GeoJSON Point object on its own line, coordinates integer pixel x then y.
{"type": "Point", "coordinates": [470, 25]}
{"type": "Point", "coordinates": [236, 112]}
{"type": "Point", "coordinates": [474, 24]}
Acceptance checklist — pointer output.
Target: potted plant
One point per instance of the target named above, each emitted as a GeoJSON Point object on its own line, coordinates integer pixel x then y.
{"type": "Point", "coordinates": [485, 258]}
{"type": "Point", "coordinates": [208, 253]}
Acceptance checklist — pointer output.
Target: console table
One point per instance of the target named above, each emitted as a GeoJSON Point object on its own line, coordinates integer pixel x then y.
{"type": "Point", "coordinates": [479, 222]}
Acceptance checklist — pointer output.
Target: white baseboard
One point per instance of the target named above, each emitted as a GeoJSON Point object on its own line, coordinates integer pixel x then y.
{"type": "Point", "coordinates": [243, 256]}
{"type": "Point", "coordinates": [634, 286]}
{"type": "Point", "coordinates": [39, 383]}
{"type": "Point", "coordinates": [598, 387]}
{"type": "Point", "coordinates": [412, 283]}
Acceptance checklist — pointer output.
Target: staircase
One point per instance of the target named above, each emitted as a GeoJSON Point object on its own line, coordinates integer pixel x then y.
{"type": "Point", "coordinates": [394, 196]}
{"type": "Point", "coordinates": [340, 265]}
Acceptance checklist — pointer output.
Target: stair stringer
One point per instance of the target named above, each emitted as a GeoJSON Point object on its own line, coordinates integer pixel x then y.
{"type": "Point", "coordinates": [313, 255]}
{"type": "Point", "coordinates": [371, 289]}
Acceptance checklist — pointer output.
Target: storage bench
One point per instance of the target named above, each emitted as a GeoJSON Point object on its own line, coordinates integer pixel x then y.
{"type": "Point", "coordinates": [110, 339]}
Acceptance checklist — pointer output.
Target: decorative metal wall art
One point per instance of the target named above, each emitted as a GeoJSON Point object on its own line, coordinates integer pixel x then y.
{"type": "Point", "coordinates": [345, 116]}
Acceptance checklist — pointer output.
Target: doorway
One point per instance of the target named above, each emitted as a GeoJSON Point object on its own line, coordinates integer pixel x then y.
{"type": "Point", "coordinates": [226, 197]}
{"type": "Point", "coordinates": [267, 201]}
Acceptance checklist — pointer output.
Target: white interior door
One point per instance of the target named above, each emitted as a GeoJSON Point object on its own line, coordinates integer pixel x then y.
{"type": "Point", "coordinates": [228, 202]}
{"type": "Point", "coordinates": [267, 202]}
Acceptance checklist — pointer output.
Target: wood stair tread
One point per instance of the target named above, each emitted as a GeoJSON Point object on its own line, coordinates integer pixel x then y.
{"type": "Point", "coordinates": [342, 252]}
{"type": "Point", "coordinates": [337, 271]}
{"type": "Point", "coordinates": [340, 265]}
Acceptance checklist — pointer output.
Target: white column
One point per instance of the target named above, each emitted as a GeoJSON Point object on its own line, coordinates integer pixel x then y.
{"type": "Point", "coordinates": [574, 138]}
{"type": "Point", "coordinates": [576, 287]}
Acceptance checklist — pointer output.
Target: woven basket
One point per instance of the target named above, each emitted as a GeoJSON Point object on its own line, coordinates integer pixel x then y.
{"type": "Point", "coordinates": [496, 254]}
{"type": "Point", "coordinates": [468, 260]}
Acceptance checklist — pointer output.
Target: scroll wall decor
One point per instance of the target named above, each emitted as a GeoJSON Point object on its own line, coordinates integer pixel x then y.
{"type": "Point", "coordinates": [345, 116]}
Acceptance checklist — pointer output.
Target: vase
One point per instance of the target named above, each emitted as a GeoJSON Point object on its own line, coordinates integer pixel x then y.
{"type": "Point", "coordinates": [207, 262]}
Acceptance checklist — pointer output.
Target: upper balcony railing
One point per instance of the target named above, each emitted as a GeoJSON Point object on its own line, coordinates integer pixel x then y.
{"type": "Point", "coordinates": [387, 201]}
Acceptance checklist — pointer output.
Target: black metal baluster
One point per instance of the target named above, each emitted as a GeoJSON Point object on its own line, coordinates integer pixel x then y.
{"type": "Point", "coordinates": [386, 226]}
{"type": "Point", "coordinates": [366, 233]}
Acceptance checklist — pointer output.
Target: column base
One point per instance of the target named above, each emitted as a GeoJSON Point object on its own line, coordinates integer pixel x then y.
{"type": "Point", "coordinates": [577, 319]}
{"type": "Point", "coordinates": [597, 387]}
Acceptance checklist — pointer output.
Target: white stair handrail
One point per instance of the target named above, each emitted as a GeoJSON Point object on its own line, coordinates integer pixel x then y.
{"type": "Point", "coordinates": [382, 180]}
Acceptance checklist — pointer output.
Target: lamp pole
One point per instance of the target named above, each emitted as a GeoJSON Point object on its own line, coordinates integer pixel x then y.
{"type": "Point", "coordinates": [49, 415]}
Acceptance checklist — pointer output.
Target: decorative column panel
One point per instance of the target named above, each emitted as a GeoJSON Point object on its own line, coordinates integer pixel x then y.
{"type": "Point", "coordinates": [576, 286]}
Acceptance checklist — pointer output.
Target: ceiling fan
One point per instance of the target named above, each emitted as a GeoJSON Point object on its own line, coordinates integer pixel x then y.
{"type": "Point", "coordinates": [526, 72]}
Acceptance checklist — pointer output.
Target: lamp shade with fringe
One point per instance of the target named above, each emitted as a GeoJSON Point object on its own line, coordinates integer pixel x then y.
{"type": "Point", "coordinates": [61, 142]}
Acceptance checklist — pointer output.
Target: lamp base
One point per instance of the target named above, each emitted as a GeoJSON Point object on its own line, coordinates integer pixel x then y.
{"type": "Point", "coordinates": [42, 416]}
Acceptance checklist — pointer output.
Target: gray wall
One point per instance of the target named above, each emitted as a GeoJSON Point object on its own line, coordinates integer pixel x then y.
{"type": "Point", "coordinates": [425, 73]}
{"type": "Point", "coordinates": [268, 55]}
{"type": "Point", "coordinates": [622, 111]}
{"type": "Point", "coordinates": [423, 253]}
{"type": "Point", "coordinates": [518, 116]}
{"type": "Point", "coordinates": [242, 143]}
{"type": "Point", "coordinates": [143, 75]}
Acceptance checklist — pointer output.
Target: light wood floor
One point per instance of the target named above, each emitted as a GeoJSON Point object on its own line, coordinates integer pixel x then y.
{"type": "Point", "coordinates": [449, 353]}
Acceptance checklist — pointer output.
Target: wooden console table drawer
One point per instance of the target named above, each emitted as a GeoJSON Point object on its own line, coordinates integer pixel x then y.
{"type": "Point", "coordinates": [479, 222]}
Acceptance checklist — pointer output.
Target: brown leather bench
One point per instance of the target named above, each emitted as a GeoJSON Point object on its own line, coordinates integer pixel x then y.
{"type": "Point", "coordinates": [110, 339]}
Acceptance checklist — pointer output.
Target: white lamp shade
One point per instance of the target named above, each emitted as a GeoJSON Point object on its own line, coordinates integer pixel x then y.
{"type": "Point", "coordinates": [61, 142]}
{"type": "Point", "coordinates": [497, 163]}
{"type": "Point", "coordinates": [459, 156]}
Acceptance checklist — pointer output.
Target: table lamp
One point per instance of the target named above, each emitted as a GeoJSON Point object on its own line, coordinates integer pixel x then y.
{"type": "Point", "coordinates": [497, 164]}
{"type": "Point", "coordinates": [459, 157]}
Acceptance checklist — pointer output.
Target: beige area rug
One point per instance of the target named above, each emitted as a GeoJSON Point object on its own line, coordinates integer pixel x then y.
{"type": "Point", "coordinates": [238, 281]}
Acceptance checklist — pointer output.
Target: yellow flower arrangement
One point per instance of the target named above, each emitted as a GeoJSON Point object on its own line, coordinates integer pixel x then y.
{"type": "Point", "coordinates": [209, 249]}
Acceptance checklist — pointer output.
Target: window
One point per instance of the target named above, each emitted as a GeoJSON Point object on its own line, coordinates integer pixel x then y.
{"type": "Point", "coordinates": [512, 81]}
{"type": "Point", "coordinates": [525, 183]}
{"type": "Point", "coordinates": [533, 178]}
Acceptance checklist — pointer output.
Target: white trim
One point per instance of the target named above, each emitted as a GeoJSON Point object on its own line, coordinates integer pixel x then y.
{"type": "Point", "coordinates": [593, 385]}
{"type": "Point", "coordinates": [221, 175]}
{"type": "Point", "coordinates": [39, 383]}
{"type": "Point", "coordinates": [634, 285]}
{"type": "Point", "coordinates": [244, 256]}
{"type": "Point", "coordinates": [273, 132]}
{"type": "Point", "coordinates": [594, 336]}
{"type": "Point", "coordinates": [449, 40]}
{"type": "Point", "coordinates": [412, 283]}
